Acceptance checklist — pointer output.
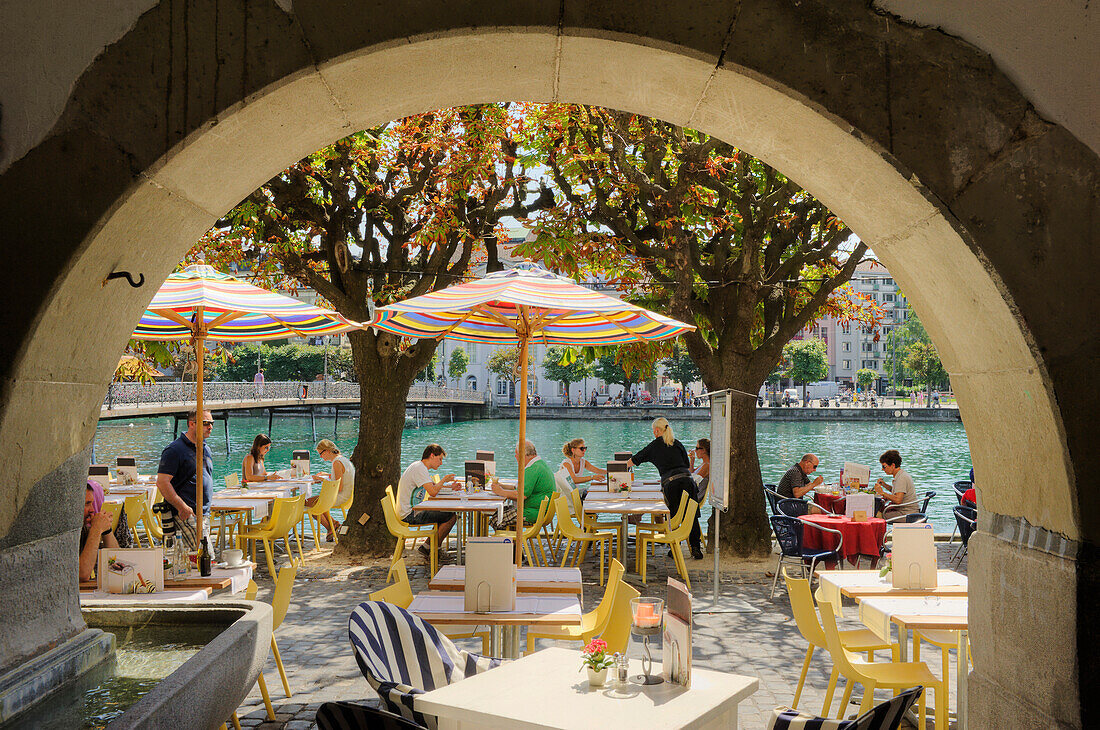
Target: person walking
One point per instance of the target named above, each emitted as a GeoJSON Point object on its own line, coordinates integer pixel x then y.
{"type": "Point", "coordinates": [671, 459]}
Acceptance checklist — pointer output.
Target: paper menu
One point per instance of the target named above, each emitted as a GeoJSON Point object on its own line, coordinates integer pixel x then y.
{"type": "Point", "coordinates": [676, 637]}
{"type": "Point", "coordinates": [854, 503]}
{"type": "Point", "coordinates": [475, 476]}
{"type": "Point", "coordinates": [130, 570]}
{"type": "Point", "coordinates": [490, 575]}
{"type": "Point", "coordinates": [488, 458]}
{"type": "Point", "coordinates": [100, 474]}
{"type": "Point", "coordinates": [299, 464]}
{"type": "Point", "coordinates": [127, 469]}
{"type": "Point", "coordinates": [853, 470]}
{"type": "Point", "coordinates": [618, 476]}
{"type": "Point", "coordinates": [913, 558]}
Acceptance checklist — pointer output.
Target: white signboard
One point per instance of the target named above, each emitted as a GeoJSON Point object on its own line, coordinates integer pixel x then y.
{"type": "Point", "coordinates": [720, 417]}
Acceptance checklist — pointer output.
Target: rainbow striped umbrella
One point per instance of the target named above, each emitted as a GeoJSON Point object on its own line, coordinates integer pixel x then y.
{"type": "Point", "coordinates": [201, 303]}
{"type": "Point", "coordinates": [517, 306]}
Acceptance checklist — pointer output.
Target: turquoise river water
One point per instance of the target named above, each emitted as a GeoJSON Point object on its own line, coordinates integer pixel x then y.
{"type": "Point", "coordinates": [935, 454]}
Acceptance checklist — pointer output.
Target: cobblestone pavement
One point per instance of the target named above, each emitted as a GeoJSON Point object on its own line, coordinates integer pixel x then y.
{"type": "Point", "coordinates": [765, 643]}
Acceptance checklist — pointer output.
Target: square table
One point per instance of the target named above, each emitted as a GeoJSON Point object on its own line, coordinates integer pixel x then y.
{"type": "Point", "coordinates": [538, 609]}
{"type": "Point", "coordinates": [528, 580]}
{"type": "Point", "coordinates": [465, 505]}
{"type": "Point", "coordinates": [868, 584]}
{"type": "Point", "coordinates": [166, 596]}
{"type": "Point", "coordinates": [626, 507]}
{"type": "Point", "coordinates": [545, 690]}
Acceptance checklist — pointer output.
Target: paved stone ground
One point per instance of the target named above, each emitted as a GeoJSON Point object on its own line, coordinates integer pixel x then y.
{"type": "Point", "coordinates": [314, 643]}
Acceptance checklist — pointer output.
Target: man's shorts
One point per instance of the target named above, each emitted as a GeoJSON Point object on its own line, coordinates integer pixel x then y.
{"type": "Point", "coordinates": [428, 517]}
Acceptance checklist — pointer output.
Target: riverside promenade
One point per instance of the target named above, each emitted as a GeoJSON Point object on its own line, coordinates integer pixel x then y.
{"type": "Point", "coordinates": [900, 412]}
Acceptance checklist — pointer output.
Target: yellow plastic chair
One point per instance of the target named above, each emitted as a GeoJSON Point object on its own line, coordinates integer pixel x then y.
{"type": "Point", "coordinates": [592, 624]}
{"type": "Point", "coordinates": [285, 514]}
{"type": "Point", "coordinates": [250, 594]}
{"type": "Point", "coordinates": [399, 593]}
{"type": "Point", "coordinates": [888, 675]}
{"type": "Point", "coordinates": [574, 533]}
{"type": "Point", "coordinates": [805, 617]}
{"type": "Point", "coordinates": [133, 507]}
{"type": "Point", "coordinates": [942, 639]}
{"type": "Point", "coordinates": [298, 517]}
{"type": "Point", "coordinates": [531, 537]}
{"type": "Point", "coordinates": [114, 509]}
{"type": "Point", "coordinates": [617, 631]}
{"type": "Point", "coordinates": [672, 522]}
{"type": "Point", "coordinates": [326, 500]}
{"type": "Point", "coordinates": [233, 480]}
{"type": "Point", "coordinates": [405, 532]}
{"type": "Point", "coordinates": [280, 602]}
{"type": "Point", "coordinates": [344, 508]}
{"type": "Point", "coordinates": [671, 538]}
{"type": "Point", "coordinates": [149, 521]}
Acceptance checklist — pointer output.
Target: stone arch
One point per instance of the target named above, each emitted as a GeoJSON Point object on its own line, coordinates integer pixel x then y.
{"type": "Point", "coordinates": [966, 198]}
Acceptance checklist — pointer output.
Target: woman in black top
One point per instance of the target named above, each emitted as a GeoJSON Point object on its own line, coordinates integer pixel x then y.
{"type": "Point", "coordinates": [671, 459]}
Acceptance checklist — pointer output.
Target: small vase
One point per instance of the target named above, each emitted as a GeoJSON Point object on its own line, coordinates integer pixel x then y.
{"type": "Point", "coordinates": [597, 678]}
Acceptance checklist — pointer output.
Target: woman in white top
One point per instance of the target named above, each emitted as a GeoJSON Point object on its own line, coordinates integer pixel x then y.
{"type": "Point", "coordinates": [253, 468]}
{"type": "Point", "coordinates": [575, 463]}
{"type": "Point", "coordinates": [344, 472]}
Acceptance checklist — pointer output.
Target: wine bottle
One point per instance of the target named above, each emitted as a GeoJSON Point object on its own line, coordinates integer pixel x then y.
{"type": "Point", "coordinates": [206, 550]}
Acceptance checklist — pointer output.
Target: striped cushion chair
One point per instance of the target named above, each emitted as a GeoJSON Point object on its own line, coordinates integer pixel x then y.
{"type": "Point", "coordinates": [402, 656]}
{"type": "Point", "coordinates": [886, 716]}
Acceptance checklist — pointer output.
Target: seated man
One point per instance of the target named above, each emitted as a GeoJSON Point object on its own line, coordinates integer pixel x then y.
{"type": "Point", "coordinates": [96, 530]}
{"type": "Point", "coordinates": [902, 498]}
{"type": "Point", "coordinates": [412, 489]}
{"type": "Point", "coordinates": [796, 483]}
{"type": "Point", "coordinates": [538, 485]}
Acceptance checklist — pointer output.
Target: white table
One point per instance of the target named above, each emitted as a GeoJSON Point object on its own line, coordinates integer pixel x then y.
{"type": "Point", "coordinates": [121, 492]}
{"type": "Point", "coordinates": [449, 608]}
{"type": "Point", "coordinates": [948, 613]}
{"type": "Point", "coordinates": [528, 580]}
{"type": "Point", "coordinates": [546, 690]}
{"type": "Point", "coordinates": [166, 596]}
{"type": "Point", "coordinates": [863, 584]}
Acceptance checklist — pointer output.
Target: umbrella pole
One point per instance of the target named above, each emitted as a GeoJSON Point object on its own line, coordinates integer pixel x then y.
{"type": "Point", "coordinates": [200, 356]}
{"type": "Point", "coordinates": [522, 450]}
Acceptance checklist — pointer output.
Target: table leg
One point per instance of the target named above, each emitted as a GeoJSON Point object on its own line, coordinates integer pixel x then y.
{"type": "Point", "coordinates": [622, 540]}
{"type": "Point", "coordinates": [903, 643]}
{"type": "Point", "coordinates": [495, 641]}
{"type": "Point", "coordinates": [963, 666]}
{"type": "Point", "coordinates": [221, 531]}
{"type": "Point", "coordinates": [461, 536]}
{"type": "Point", "coordinates": [511, 642]}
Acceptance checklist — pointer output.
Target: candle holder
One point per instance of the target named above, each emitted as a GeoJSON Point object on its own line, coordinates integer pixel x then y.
{"type": "Point", "coordinates": [648, 620]}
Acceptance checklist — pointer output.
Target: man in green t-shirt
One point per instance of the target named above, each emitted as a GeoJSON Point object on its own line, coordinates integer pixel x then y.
{"type": "Point", "coordinates": [538, 485]}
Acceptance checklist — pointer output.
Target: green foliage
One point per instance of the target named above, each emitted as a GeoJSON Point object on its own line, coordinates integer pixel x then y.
{"type": "Point", "coordinates": [805, 361]}
{"type": "Point", "coordinates": [503, 362]}
{"type": "Point", "coordinates": [562, 365]}
{"type": "Point", "coordinates": [917, 357]}
{"type": "Point", "coordinates": [680, 367]}
{"type": "Point", "coordinates": [923, 362]}
{"type": "Point", "coordinates": [865, 378]}
{"type": "Point", "coordinates": [459, 364]}
{"type": "Point", "coordinates": [428, 374]}
{"type": "Point", "coordinates": [284, 362]}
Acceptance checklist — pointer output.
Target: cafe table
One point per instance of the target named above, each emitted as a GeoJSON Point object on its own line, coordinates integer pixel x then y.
{"type": "Point", "coordinates": [626, 506]}
{"type": "Point", "coordinates": [545, 690]}
{"type": "Point", "coordinates": [234, 578]}
{"type": "Point", "coordinates": [466, 505]}
{"type": "Point", "coordinates": [915, 613]}
{"type": "Point", "coordinates": [859, 584]}
{"type": "Point", "coordinates": [120, 493]}
{"type": "Point", "coordinates": [186, 595]}
{"type": "Point", "coordinates": [442, 608]}
{"type": "Point", "coordinates": [860, 538]}
{"type": "Point", "coordinates": [528, 580]}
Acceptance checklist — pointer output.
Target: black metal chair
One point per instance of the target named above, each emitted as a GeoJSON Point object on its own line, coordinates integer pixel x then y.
{"type": "Point", "coordinates": [788, 533]}
{"type": "Point", "coordinates": [773, 497]}
{"type": "Point", "coordinates": [348, 715]}
{"type": "Point", "coordinates": [793, 507]}
{"type": "Point", "coordinates": [960, 488]}
{"type": "Point", "coordinates": [966, 519]}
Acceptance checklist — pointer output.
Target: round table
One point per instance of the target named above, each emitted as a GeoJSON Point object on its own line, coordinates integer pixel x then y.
{"type": "Point", "coordinates": [860, 538]}
{"type": "Point", "coordinates": [835, 503]}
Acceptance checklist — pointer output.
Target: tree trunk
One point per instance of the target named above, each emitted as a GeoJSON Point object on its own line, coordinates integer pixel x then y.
{"type": "Point", "coordinates": [384, 383]}
{"type": "Point", "coordinates": [744, 526]}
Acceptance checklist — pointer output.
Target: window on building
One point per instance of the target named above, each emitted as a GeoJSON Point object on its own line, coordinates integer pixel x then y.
{"type": "Point", "coordinates": [889, 282]}
{"type": "Point", "coordinates": [869, 364]}
{"type": "Point", "coordinates": [887, 297]}
{"type": "Point", "coordinates": [471, 384]}
{"type": "Point", "coordinates": [847, 366]}
{"type": "Point", "coordinates": [847, 348]}
{"type": "Point", "coordinates": [845, 328]}
{"type": "Point", "coordinates": [603, 391]}
{"type": "Point", "coordinates": [866, 348]}
{"type": "Point", "coordinates": [502, 389]}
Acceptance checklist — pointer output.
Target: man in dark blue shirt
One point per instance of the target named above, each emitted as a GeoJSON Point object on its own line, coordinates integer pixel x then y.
{"type": "Point", "coordinates": [176, 476]}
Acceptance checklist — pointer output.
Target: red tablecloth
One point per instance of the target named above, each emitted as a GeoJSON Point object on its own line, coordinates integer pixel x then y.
{"type": "Point", "coordinates": [828, 500]}
{"type": "Point", "coordinates": [860, 538]}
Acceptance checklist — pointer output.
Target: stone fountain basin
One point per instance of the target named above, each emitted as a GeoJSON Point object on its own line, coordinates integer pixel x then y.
{"type": "Point", "coordinates": [206, 689]}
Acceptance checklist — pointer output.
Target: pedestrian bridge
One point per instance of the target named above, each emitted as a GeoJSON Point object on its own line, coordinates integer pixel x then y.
{"type": "Point", "coordinates": [137, 400]}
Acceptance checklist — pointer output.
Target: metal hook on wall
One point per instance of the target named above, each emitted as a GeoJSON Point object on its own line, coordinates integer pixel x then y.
{"type": "Point", "coordinates": [126, 275]}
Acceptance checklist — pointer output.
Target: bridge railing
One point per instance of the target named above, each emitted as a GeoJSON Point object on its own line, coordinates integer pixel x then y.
{"type": "Point", "coordinates": [171, 392]}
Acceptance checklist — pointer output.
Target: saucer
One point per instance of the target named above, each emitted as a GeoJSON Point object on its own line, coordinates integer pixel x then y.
{"type": "Point", "coordinates": [242, 564]}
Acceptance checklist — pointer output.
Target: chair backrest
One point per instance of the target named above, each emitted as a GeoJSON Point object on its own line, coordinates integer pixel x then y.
{"type": "Point", "coordinates": [399, 593]}
{"type": "Point", "coordinates": [617, 631]}
{"type": "Point", "coordinates": [251, 591]}
{"type": "Point", "coordinates": [603, 609]}
{"type": "Point", "coordinates": [793, 507]}
{"type": "Point", "coordinates": [927, 498]}
{"type": "Point", "coordinates": [285, 513]}
{"type": "Point", "coordinates": [134, 507]}
{"type": "Point", "coordinates": [916, 517]}
{"type": "Point", "coordinates": [401, 655]}
{"type": "Point", "coordinates": [280, 599]}
{"type": "Point", "coordinates": [576, 507]}
{"type": "Point", "coordinates": [346, 505]}
{"type": "Point", "coordinates": [543, 516]}
{"type": "Point", "coordinates": [678, 519]}
{"type": "Point", "coordinates": [802, 605]}
{"type": "Point", "coordinates": [232, 480]}
{"type": "Point", "coordinates": [568, 527]}
{"type": "Point", "coordinates": [393, 522]}
{"type": "Point", "coordinates": [345, 715]}
{"type": "Point", "coordinates": [561, 483]}
{"type": "Point", "coordinates": [844, 660]}
{"type": "Point", "coordinates": [152, 522]}
{"type": "Point", "coordinates": [114, 509]}
{"type": "Point", "coordinates": [966, 518]}
{"type": "Point", "coordinates": [770, 491]}
{"type": "Point", "coordinates": [961, 486]}
{"type": "Point", "coordinates": [681, 531]}
{"type": "Point", "coordinates": [788, 533]}
{"type": "Point", "coordinates": [326, 500]}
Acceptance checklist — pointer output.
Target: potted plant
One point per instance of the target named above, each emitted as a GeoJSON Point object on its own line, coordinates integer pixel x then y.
{"type": "Point", "coordinates": [595, 658]}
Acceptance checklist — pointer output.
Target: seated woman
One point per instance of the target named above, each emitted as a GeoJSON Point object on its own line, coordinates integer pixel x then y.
{"type": "Point", "coordinates": [701, 473]}
{"type": "Point", "coordinates": [253, 467]}
{"type": "Point", "coordinates": [344, 472]}
{"type": "Point", "coordinates": [96, 531]}
{"type": "Point", "coordinates": [575, 463]}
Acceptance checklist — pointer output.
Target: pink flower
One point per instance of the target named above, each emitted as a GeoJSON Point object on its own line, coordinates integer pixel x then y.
{"type": "Point", "coordinates": [595, 646]}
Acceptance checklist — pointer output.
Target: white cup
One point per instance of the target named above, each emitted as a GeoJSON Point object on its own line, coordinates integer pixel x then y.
{"type": "Point", "coordinates": [233, 557]}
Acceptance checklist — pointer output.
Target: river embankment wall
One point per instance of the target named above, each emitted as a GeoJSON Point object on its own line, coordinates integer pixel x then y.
{"type": "Point", "coordinates": [644, 413]}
